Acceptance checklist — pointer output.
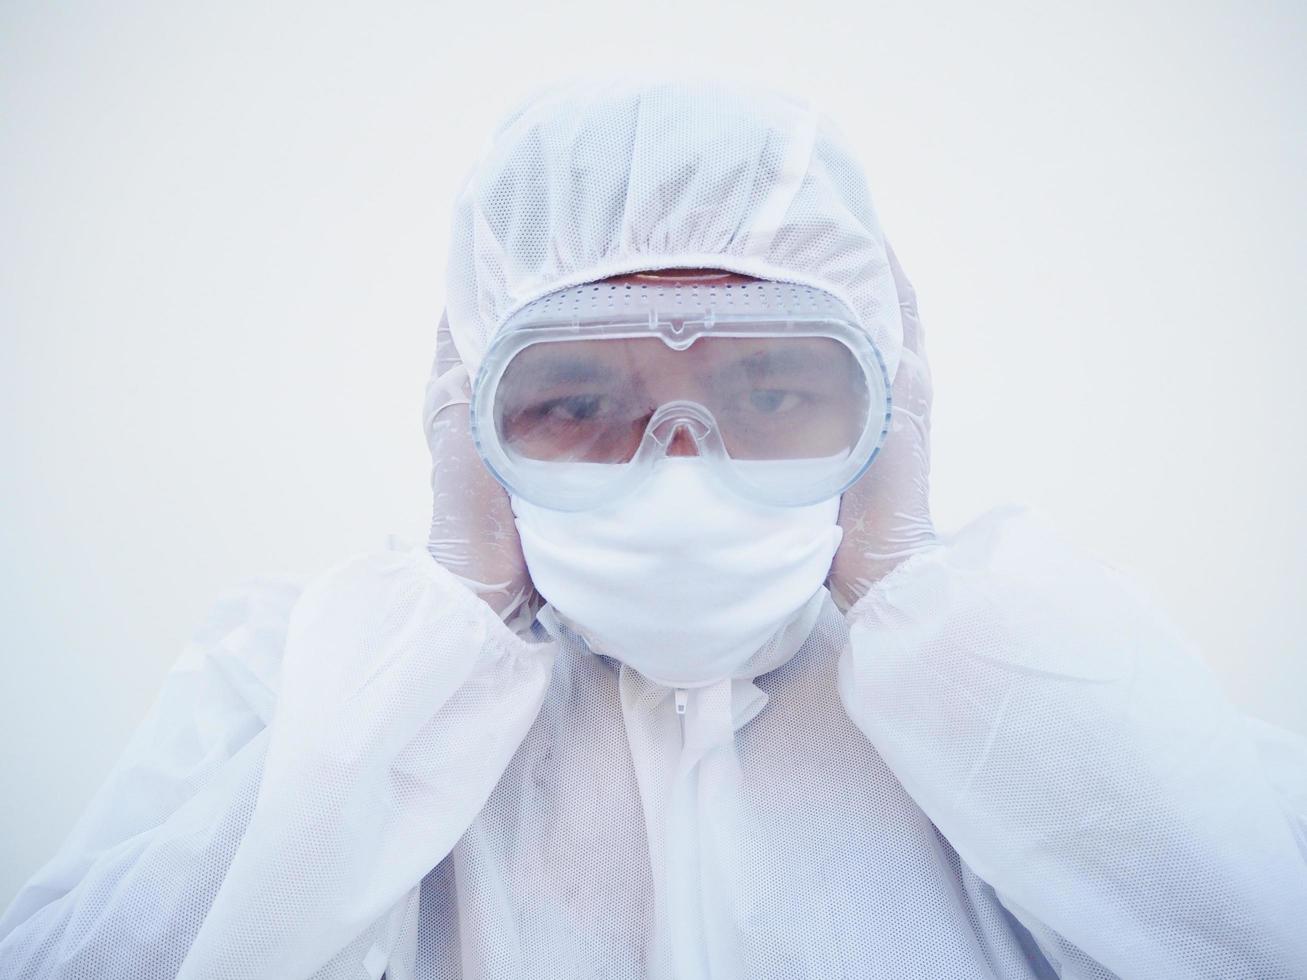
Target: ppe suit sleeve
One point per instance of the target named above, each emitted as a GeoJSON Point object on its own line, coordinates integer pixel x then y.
{"type": "Point", "coordinates": [122, 895]}
{"type": "Point", "coordinates": [189, 861]}
{"type": "Point", "coordinates": [1079, 757]}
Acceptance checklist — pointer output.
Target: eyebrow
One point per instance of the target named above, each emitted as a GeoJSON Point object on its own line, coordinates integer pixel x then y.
{"type": "Point", "coordinates": [564, 370]}
{"type": "Point", "coordinates": [781, 361]}
{"type": "Point", "coordinates": [569, 370]}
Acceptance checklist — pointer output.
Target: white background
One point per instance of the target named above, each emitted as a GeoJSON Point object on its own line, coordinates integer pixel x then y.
{"type": "Point", "coordinates": [222, 241]}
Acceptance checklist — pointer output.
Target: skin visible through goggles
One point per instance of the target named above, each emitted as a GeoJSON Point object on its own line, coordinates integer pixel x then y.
{"type": "Point", "coordinates": [771, 398]}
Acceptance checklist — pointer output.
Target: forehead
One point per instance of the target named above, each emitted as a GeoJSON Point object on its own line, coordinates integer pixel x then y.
{"type": "Point", "coordinates": [681, 277]}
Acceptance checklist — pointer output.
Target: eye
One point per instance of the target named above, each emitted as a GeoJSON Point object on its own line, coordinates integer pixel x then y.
{"type": "Point", "coordinates": [774, 401]}
{"type": "Point", "coordinates": [573, 408]}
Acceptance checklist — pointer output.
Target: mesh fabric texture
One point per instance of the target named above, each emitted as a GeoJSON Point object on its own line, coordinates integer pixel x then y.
{"type": "Point", "coordinates": [980, 772]}
{"type": "Point", "coordinates": [592, 179]}
{"type": "Point", "coordinates": [1000, 763]}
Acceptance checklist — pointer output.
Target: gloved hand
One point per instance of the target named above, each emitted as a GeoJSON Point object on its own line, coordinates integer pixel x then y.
{"type": "Point", "coordinates": [886, 514]}
{"type": "Point", "coordinates": [472, 530]}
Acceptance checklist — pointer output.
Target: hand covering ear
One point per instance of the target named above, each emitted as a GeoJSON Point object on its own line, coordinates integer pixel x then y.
{"type": "Point", "coordinates": [472, 530]}
{"type": "Point", "coordinates": [886, 514]}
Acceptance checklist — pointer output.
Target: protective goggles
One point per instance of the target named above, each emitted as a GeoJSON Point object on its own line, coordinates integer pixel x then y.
{"type": "Point", "coordinates": [772, 383]}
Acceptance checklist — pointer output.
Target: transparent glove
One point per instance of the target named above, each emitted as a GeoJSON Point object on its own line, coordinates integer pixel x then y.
{"type": "Point", "coordinates": [472, 530]}
{"type": "Point", "coordinates": [886, 514]}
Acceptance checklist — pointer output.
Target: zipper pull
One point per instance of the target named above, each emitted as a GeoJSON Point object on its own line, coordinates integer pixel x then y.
{"type": "Point", "coordinates": [681, 696]}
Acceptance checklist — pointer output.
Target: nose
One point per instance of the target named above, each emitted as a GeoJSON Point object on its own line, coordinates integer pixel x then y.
{"type": "Point", "coordinates": [682, 442]}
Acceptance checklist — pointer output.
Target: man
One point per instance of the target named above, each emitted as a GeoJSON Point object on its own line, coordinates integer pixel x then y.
{"type": "Point", "coordinates": [684, 684]}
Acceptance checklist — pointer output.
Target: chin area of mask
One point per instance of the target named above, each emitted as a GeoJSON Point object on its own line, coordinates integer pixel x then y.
{"type": "Point", "coordinates": [681, 578]}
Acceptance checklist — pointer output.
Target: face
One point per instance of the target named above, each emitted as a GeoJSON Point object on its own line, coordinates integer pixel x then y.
{"type": "Point", "coordinates": [772, 398]}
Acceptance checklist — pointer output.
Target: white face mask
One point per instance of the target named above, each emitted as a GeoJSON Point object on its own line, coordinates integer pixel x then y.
{"type": "Point", "coordinates": [681, 579]}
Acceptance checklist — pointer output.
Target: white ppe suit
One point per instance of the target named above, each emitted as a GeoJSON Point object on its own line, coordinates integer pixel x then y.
{"type": "Point", "coordinates": [1000, 763]}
